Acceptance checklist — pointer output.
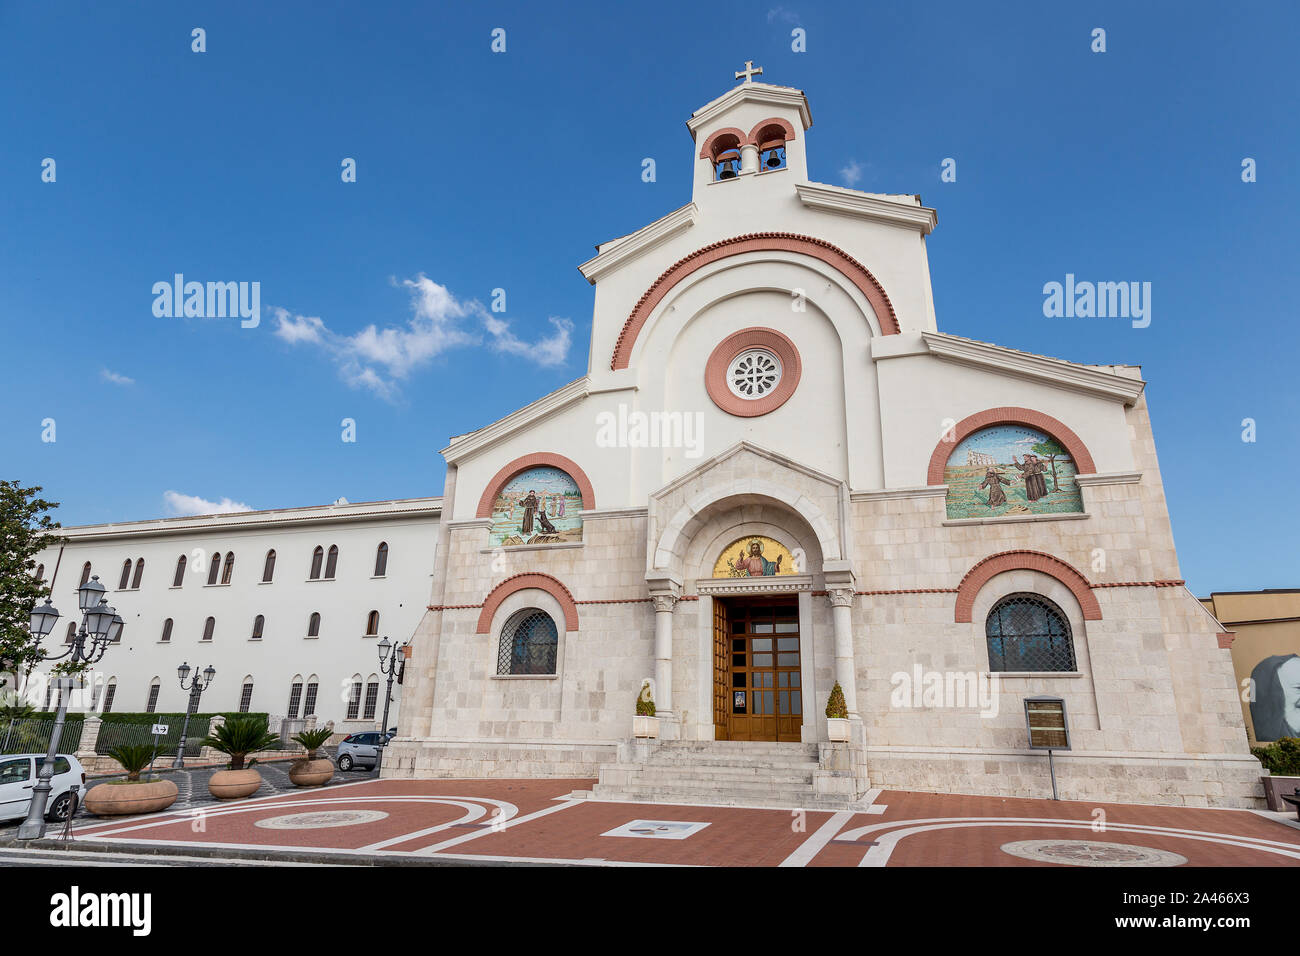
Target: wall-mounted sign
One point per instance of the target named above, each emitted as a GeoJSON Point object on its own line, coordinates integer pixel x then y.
{"type": "Point", "coordinates": [1045, 719]}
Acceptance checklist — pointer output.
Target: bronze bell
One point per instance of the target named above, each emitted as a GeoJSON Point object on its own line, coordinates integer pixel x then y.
{"type": "Point", "coordinates": [728, 169]}
{"type": "Point", "coordinates": [773, 159]}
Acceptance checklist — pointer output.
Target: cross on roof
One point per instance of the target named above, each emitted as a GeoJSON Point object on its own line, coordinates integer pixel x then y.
{"type": "Point", "coordinates": [749, 72]}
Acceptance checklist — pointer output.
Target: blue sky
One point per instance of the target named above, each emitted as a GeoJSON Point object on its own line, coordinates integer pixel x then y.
{"type": "Point", "coordinates": [479, 171]}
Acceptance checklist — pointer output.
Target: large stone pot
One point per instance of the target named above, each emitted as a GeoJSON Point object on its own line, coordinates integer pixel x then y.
{"type": "Point", "coordinates": [121, 798]}
{"type": "Point", "coordinates": [1275, 787]}
{"type": "Point", "coordinates": [311, 773]}
{"type": "Point", "coordinates": [233, 784]}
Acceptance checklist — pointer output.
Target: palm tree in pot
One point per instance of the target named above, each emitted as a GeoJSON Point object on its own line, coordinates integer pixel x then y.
{"type": "Point", "coordinates": [308, 771]}
{"type": "Point", "coordinates": [132, 795]}
{"type": "Point", "coordinates": [237, 739]}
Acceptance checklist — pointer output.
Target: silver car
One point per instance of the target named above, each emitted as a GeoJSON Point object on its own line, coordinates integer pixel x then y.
{"type": "Point", "coordinates": [360, 750]}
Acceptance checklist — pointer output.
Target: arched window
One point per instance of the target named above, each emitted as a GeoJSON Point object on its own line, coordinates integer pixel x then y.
{"type": "Point", "coordinates": [85, 573]}
{"type": "Point", "coordinates": [528, 644]}
{"type": "Point", "coordinates": [179, 578]}
{"type": "Point", "coordinates": [72, 632]}
{"type": "Point", "coordinates": [354, 697]}
{"type": "Point", "coordinates": [725, 154]}
{"type": "Point", "coordinates": [40, 572]}
{"type": "Point", "coordinates": [268, 569]}
{"type": "Point", "coordinates": [209, 626]}
{"type": "Point", "coordinates": [258, 623]}
{"type": "Point", "coordinates": [381, 559]}
{"type": "Point", "coordinates": [126, 575]}
{"type": "Point", "coordinates": [372, 698]}
{"type": "Point", "coordinates": [332, 562]}
{"type": "Point", "coordinates": [309, 701]}
{"type": "Point", "coordinates": [317, 557]}
{"type": "Point", "coordinates": [214, 568]}
{"type": "Point", "coordinates": [295, 697]}
{"type": "Point", "coordinates": [151, 705]}
{"type": "Point", "coordinates": [109, 693]}
{"type": "Point", "coordinates": [246, 695]}
{"type": "Point", "coordinates": [229, 568]}
{"type": "Point", "coordinates": [372, 624]}
{"type": "Point", "coordinates": [771, 147]}
{"type": "Point", "coordinates": [139, 573]}
{"type": "Point", "coordinates": [1027, 632]}
{"type": "Point", "coordinates": [313, 625]}
{"type": "Point", "coordinates": [167, 631]}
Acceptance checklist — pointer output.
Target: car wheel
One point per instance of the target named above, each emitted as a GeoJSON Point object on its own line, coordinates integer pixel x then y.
{"type": "Point", "coordinates": [58, 811]}
{"type": "Point", "coordinates": [345, 763]}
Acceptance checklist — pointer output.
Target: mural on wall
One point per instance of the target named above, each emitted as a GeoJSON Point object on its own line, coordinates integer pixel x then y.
{"type": "Point", "coordinates": [1275, 711]}
{"type": "Point", "coordinates": [1010, 470]}
{"type": "Point", "coordinates": [753, 556]}
{"type": "Point", "coordinates": [542, 505]}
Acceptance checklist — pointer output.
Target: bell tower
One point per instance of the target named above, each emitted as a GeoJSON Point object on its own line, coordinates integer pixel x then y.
{"type": "Point", "coordinates": [752, 134]}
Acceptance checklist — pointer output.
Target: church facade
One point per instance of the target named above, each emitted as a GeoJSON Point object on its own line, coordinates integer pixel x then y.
{"type": "Point", "coordinates": [779, 476]}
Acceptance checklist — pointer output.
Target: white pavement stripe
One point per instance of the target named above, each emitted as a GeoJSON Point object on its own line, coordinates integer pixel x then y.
{"type": "Point", "coordinates": [817, 841]}
{"type": "Point", "coordinates": [456, 841]}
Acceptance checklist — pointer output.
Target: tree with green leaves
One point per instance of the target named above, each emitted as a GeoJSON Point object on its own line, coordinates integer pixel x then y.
{"type": "Point", "coordinates": [1051, 450]}
{"type": "Point", "coordinates": [26, 529]}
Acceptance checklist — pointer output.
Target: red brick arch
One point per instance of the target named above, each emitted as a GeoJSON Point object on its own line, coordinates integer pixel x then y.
{"type": "Point", "coordinates": [536, 460]}
{"type": "Point", "coordinates": [706, 151]}
{"type": "Point", "coordinates": [832, 255]}
{"type": "Point", "coordinates": [521, 582]}
{"type": "Point", "coordinates": [1054, 567]}
{"type": "Point", "coordinates": [786, 125]}
{"type": "Point", "coordinates": [1009, 415]}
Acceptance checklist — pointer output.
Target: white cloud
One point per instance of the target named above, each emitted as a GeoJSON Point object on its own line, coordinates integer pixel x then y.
{"type": "Point", "coordinates": [184, 506]}
{"type": "Point", "coordinates": [115, 378]}
{"type": "Point", "coordinates": [781, 13]}
{"type": "Point", "coordinates": [851, 173]}
{"type": "Point", "coordinates": [379, 359]}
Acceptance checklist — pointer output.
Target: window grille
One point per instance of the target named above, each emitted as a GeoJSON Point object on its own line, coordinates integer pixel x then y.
{"type": "Point", "coordinates": [1027, 632]}
{"type": "Point", "coordinates": [529, 642]}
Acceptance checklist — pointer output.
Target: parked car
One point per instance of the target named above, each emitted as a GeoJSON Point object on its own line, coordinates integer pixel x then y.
{"type": "Point", "coordinates": [359, 750]}
{"type": "Point", "coordinates": [18, 779]}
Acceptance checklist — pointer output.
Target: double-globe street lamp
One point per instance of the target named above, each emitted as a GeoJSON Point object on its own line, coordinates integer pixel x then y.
{"type": "Point", "coordinates": [390, 657]}
{"type": "Point", "coordinates": [100, 625]}
{"type": "Point", "coordinates": [197, 686]}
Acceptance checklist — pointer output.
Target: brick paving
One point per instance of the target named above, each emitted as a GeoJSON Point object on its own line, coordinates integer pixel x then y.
{"type": "Point", "coordinates": [536, 820]}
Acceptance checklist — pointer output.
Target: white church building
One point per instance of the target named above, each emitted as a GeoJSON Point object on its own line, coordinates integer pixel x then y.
{"type": "Point", "coordinates": [777, 475]}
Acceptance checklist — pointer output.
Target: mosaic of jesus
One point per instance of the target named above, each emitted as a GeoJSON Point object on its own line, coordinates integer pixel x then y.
{"type": "Point", "coordinates": [1010, 470]}
{"type": "Point", "coordinates": [539, 506]}
{"type": "Point", "coordinates": [754, 556]}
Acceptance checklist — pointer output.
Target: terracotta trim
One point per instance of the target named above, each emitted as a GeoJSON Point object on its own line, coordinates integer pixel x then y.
{"type": "Point", "coordinates": [1009, 415]}
{"type": "Point", "coordinates": [752, 138]}
{"type": "Point", "coordinates": [1225, 639]}
{"type": "Point", "coordinates": [706, 150]}
{"type": "Point", "coordinates": [520, 582]}
{"type": "Point", "coordinates": [715, 372]}
{"type": "Point", "coordinates": [832, 255]}
{"type": "Point", "coordinates": [535, 460]}
{"type": "Point", "coordinates": [1022, 560]}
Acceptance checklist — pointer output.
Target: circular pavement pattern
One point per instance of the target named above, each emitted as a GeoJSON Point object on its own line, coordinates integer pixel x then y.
{"type": "Point", "coordinates": [1091, 853]}
{"type": "Point", "coordinates": [321, 819]}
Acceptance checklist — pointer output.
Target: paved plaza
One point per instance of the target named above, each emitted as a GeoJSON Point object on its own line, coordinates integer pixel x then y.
{"type": "Point", "coordinates": [549, 821]}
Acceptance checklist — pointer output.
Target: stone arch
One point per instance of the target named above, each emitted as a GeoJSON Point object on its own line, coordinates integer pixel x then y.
{"type": "Point", "coordinates": [1009, 415]}
{"type": "Point", "coordinates": [536, 460]}
{"type": "Point", "coordinates": [520, 582]}
{"type": "Point", "coordinates": [994, 564]}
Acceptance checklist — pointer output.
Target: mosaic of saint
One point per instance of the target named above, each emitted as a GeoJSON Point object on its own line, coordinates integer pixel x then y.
{"type": "Point", "coordinates": [754, 556]}
{"type": "Point", "coordinates": [539, 506]}
{"type": "Point", "coordinates": [1010, 470]}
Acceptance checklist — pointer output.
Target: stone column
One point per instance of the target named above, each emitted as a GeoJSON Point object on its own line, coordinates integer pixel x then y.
{"type": "Point", "coordinates": [664, 605]}
{"type": "Point", "coordinates": [89, 738]}
{"type": "Point", "coordinates": [840, 589]}
{"type": "Point", "coordinates": [749, 158]}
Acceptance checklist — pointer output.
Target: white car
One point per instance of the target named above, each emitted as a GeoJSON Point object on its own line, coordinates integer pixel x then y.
{"type": "Point", "coordinates": [18, 779]}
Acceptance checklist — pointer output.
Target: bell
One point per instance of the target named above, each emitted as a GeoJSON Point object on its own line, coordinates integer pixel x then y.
{"type": "Point", "coordinates": [728, 169]}
{"type": "Point", "coordinates": [773, 159]}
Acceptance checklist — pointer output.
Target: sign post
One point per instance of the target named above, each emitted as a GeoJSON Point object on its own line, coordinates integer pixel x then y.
{"type": "Point", "coordinates": [158, 731]}
{"type": "Point", "coordinates": [1048, 729]}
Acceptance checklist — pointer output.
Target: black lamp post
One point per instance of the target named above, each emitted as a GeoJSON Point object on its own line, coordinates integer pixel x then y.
{"type": "Point", "coordinates": [197, 686]}
{"type": "Point", "coordinates": [390, 657]}
{"type": "Point", "coordinates": [100, 625]}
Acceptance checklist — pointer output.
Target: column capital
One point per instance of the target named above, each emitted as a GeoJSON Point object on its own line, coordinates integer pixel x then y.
{"type": "Point", "coordinates": [841, 596]}
{"type": "Point", "coordinates": [664, 602]}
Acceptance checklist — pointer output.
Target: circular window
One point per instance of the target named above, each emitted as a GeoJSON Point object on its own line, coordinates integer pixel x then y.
{"type": "Point", "coordinates": [753, 373]}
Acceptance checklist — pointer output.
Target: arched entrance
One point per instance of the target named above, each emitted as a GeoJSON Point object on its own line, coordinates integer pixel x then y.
{"type": "Point", "coordinates": [757, 672]}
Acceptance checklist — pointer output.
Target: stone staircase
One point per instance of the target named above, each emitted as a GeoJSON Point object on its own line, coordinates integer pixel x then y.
{"type": "Point", "coordinates": [730, 773]}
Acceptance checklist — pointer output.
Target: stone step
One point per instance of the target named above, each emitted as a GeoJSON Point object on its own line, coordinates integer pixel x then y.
{"type": "Point", "coordinates": [728, 771]}
{"type": "Point", "coordinates": [735, 746]}
{"type": "Point", "coordinates": [785, 799]}
{"type": "Point", "coordinates": [703, 781]}
{"type": "Point", "coordinates": [759, 764]}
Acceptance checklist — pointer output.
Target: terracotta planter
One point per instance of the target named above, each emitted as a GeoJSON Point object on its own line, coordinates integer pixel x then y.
{"type": "Point", "coordinates": [645, 726]}
{"type": "Point", "coordinates": [311, 773]}
{"type": "Point", "coordinates": [1274, 787]}
{"type": "Point", "coordinates": [837, 730]}
{"type": "Point", "coordinates": [233, 784]}
{"type": "Point", "coordinates": [118, 799]}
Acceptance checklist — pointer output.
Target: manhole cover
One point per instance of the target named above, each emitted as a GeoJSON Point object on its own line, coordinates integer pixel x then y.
{"type": "Point", "coordinates": [1091, 853]}
{"type": "Point", "coordinates": [321, 819]}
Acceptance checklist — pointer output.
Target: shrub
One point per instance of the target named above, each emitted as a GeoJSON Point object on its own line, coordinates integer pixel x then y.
{"type": "Point", "coordinates": [645, 702]}
{"type": "Point", "coordinates": [313, 740]}
{"type": "Point", "coordinates": [133, 758]}
{"type": "Point", "coordinates": [835, 706]}
{"type": "Point", "coordinates": [239, 738]}
{"type": "Point", "coordinates": [1280, 758]}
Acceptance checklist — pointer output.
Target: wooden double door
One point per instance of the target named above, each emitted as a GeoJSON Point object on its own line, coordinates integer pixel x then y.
{"type": "Point", "coordinates": [757, 682]}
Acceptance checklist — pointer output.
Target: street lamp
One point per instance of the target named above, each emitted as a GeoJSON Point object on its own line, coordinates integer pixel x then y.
{"type": "Point", "coordinates": [100, 624]}
{"type": "Point", "coordinates": [197, 686]}
{"type": "Point", "coordinates": [388, 664]}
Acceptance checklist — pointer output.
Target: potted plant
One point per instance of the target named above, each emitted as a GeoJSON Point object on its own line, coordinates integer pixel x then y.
{"type": "Point", "coordinates": [837, 716]}
{"type": "Point", "coordinates": [132, 795]}
{"type": "Point", "coordinates": [1282, 761]}
{"type": "Point", "coordinates": [308, 771]}
{"type": "Point", "coordinates": [645, 723]}
{"type": "Point", "coordinates": [237, 739]}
